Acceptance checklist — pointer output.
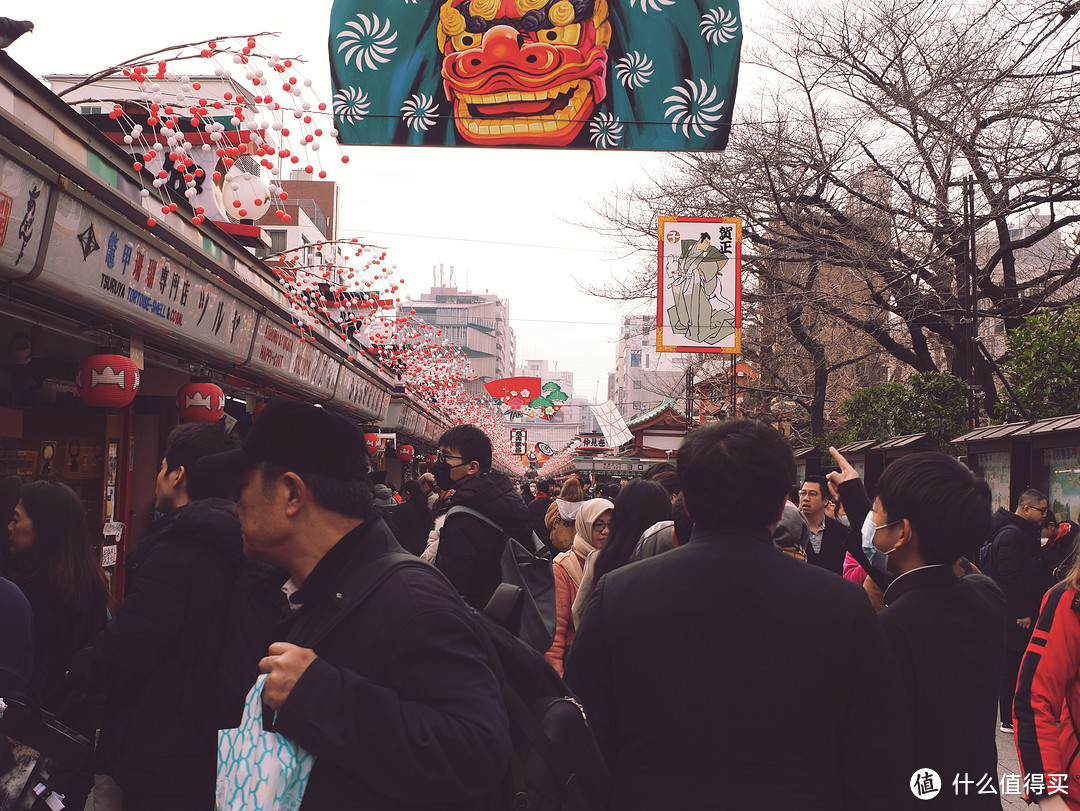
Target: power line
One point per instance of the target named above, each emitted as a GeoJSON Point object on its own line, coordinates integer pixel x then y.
{"type": "Point", "coordinates": [478, 241]}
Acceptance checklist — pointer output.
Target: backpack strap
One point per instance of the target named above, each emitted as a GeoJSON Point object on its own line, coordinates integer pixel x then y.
{"type": "Point", "coordinates": [533, 544]}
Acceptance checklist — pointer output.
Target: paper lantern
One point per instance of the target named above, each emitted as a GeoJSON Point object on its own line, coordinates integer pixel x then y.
{"type": "Point", "coordinates": [200, 402]}
{"type": "Point", "coordinates": [431, 459]}
{"type": "Point", "coordinates": [372, 442]}
{"type": "Point", "coordinates": [405, 453]}
{"type": "Point", "coordinates": [244, 196]}
{"type": "Point", "coordinates": [107, 381]}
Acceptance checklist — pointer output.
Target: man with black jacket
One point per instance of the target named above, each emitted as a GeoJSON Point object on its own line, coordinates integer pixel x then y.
{"type": "Point", "coordinates": [686, 660]}
{"type": "Point", "coordinates": [538, 510]}
{"type": "Point", "coordinates": [386, 682]}
{"type": "Point", "coordinates": [470, 550]}
{"type": "Point", "coordinates": [155, 661]}
{"type": "Point", "coordinates": [1020, 571]}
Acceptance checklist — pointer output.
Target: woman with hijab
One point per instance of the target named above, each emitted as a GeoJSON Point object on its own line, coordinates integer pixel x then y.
{"type": "Point", "coordinates": [562, 513]}
{"type": "Point", "coordinates": [591, 532]}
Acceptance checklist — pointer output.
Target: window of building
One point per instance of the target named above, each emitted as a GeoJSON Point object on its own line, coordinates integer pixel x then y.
{"type": "Point", "coordinates": [635, 357]}
{"type": "Point", "coordinates": [278, 243]}
{"type": "Point", "coordinates": [646, 360]}
{"type": "Point", "coordinates": [637, 405]}
{"type": "Point", "coordinates": [637, 384]}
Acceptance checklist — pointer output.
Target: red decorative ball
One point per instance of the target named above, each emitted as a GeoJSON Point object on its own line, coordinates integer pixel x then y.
{"type": "Point", "coordinates": [372, 442]}
{"type": "Point", "coordinates": [107, 381]}
{"type": "Point", "coordinates": [406, 452]}
{"type": "Point", "coordinates": [200, 402]}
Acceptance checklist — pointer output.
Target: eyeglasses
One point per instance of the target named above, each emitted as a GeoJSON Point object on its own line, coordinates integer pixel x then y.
{"type": "Point", "coordinates": [1043, 510]}
{"type": "Point", "coordinates": [600, 526]}
{"type": "Point", "coordinates": [439, 457]}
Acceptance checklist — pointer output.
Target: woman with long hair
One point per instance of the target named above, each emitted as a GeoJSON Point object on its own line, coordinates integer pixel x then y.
{"type": "Point", "coordinates": [413, 518]}
{"type": "Point", "coordinates": [639, 505]}
{"type": "Point", "coordinates": [562, 513]}
{"type": "Point", "coordinates": [591, 533]}
{"type": "Point", "coordinates": [1047, 699]}
{"type": "Point", "coordinates": [55, 566]}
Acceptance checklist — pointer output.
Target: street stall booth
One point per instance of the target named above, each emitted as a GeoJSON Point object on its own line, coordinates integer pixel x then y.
{"type": "Point", "coordinates": [896, 447]}
{"type": "Point", "coordinates": [112, 330]}
{"type": "Point", "coordinates": [1044, 454]}
{"type": "Point", "coordinates": [868, 460]}
{"type": "Point", "coordinates": [1000, 457]}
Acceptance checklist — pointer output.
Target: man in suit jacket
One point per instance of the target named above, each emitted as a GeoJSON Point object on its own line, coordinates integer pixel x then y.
{"type": "Point", "coordinates": [686, 662]}
{"type": "Point", "coordinates": [827, 535]}
{"type": "Point", "coordinates": [948, 633]}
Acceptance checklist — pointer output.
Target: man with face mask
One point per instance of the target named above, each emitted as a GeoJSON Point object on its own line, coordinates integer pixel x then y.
{"type": "Point", "coordinates": [469, 549]}
{"type": "Point", "coordinates": [947, 632]}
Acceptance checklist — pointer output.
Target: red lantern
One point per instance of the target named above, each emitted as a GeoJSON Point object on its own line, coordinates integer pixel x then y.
{"type": "Point", "coordinates": [109, 381]}
{"type": "Point", "coordinates": [432, 458]}
{"type": "Point", "coordinates": [405, 453]}
{"type": "Point", "coordinates": [372, 442]}
{"type": "Point", "coordinates": [200, 402]}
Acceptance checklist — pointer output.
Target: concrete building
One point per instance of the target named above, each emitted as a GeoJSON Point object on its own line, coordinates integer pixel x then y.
{"type": "Point", "coordinates": [644, 377]}
{"type": "Point", "coordinates": [478, 323]}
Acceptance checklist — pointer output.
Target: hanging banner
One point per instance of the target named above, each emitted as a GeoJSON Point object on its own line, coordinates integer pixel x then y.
{"type": "Point", "coordinates": [699, 285]}
{"type": "Point", "coordinates": [636, 74]}
{"type": "Point", "coordinates": [519, 440]}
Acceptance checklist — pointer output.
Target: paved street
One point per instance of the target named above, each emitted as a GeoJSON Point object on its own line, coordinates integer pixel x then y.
{"type": "Point", "coordinates": [1008, 764]}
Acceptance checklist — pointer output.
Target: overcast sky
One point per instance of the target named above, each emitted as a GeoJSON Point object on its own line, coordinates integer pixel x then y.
{"type": "Point", "coordinates": [504, 218]}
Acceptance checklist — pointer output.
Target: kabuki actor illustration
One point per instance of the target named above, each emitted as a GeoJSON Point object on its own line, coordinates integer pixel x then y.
{"type": "Point", "coordinates": [699, 292]}
{"type": "Point", "coordinates": [590, 74]}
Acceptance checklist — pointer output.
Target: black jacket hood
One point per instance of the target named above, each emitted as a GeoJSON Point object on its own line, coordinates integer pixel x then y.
{"type": "Point", "coordinates": [493, 494]}
{"type": "Point", "coordinates": [207, 521]}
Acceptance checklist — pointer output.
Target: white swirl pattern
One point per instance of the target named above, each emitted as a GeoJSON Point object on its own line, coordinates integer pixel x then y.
{"type": "Point", "coordinates": [695, 108]}
{"type": "Point", "coordinates": [351, 104]}
{"type": "Point", "coordinates": [369, 42]}
{"type": "Point", "coordinates": [719, 25]}
{"type": "Point", "coordinates": [634, 70]}
{"type": "Point", "coordinates": [419, 112]}
{"type": "Point", "coordinates": [605, 130]}
{"type": "Point", "coordinates": [652, 5]}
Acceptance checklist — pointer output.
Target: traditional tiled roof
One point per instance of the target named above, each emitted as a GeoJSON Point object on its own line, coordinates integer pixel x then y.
{"type": "Point", "coordinates": [655, 412]}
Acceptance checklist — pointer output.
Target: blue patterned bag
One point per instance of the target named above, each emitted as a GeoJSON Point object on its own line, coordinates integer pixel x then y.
{"type": "Point", "coordinates": [258, 770]}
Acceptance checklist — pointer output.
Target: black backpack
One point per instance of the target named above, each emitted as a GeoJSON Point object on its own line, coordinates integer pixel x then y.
{"type": "Point", "coordinates": [556, 764]}
{"type": "Point", "coordinates": [526, 564]}
{"type": "Point", "coordinates": [985, 560]}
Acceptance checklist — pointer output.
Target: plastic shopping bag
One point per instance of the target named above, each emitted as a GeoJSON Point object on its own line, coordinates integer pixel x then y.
{"type": "Point", "coordinates": [259, 770]}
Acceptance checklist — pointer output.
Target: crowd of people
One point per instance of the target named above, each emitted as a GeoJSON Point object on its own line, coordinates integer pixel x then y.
{"type": "Point", "coordinates": [734, 641]}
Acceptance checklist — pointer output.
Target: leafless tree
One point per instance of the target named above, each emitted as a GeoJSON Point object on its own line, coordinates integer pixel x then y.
{"type": "Point", "coordinates": [848, 174]}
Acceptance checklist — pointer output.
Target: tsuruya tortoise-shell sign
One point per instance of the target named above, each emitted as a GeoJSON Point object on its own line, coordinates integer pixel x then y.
{"type": "Point", "coordinates": [604, 74]}
{"type": "Point", "coordinates": [699, 285]}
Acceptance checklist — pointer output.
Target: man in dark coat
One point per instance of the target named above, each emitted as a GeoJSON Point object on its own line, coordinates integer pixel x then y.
{"type": "Point", "coordinates": [725, 652]}
{"type": "Point", "coordinates": [948, 633]}
{"type": "Point", "coordinates": [538, 510]}
{"type": "Point", "coordinates": [156, 660]}
{"type": "Point", "coordinates": [387, 685]}
{"type": "Point", "coordinates": [470, 551]}
{"type": "Point", "coordinates": [1021, 573]}
{"type": "Point", "coordinates": [827, 545]}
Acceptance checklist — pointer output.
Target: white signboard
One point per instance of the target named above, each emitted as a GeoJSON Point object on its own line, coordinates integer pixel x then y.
{"type": "Point", "coordinates": [95, 261]}
{"type": "Point", "coordinates": [23, 199]}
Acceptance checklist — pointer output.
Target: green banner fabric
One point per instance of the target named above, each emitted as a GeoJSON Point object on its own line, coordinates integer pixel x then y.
{"type": "Point", "coordinates": [590, 74]}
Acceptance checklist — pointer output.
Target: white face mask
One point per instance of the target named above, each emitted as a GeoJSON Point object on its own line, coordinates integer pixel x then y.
{"type": "Point", "coordinates": [869, 531]}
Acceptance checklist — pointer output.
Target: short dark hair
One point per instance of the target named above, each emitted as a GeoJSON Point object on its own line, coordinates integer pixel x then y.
{"type": "Point", "coordinates": [669, 480]}
{"type": "Point", "coordinates": [735, 472]}
{"type": "Point", "coordinates": [1031, 497]}
{"type": "Point", "coordinates": [821, 482]}
{"type": "Point", "coordinates": [190, 442]}
{"type": "Point", "coordinates": [544, 486]}
{"type": "Point", "coordinates": [351, 497]}
{"type": "Point", "coordinates": [947, 504]}
{"type": "Point", "coordinates": [472, 443]}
